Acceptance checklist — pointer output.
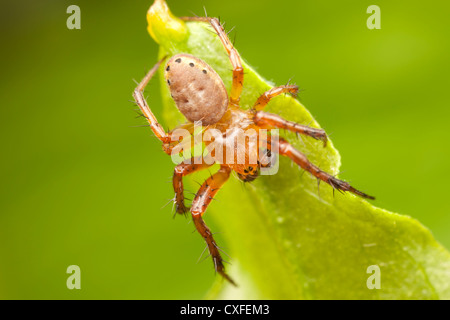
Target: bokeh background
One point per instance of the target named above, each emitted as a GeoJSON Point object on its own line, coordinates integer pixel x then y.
{"type": "Point", "coordinates": [80, 184]}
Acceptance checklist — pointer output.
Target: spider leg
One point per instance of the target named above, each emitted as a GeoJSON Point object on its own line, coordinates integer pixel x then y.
{"type": "Point", "coordinates": [157, 129]}
{"type": "Point", "coordinates": [200, 203]}
{"type": "Point", "coordinates": [270, 120]}
{"type": "Point", "coordinates": [235, 59]}
{"type": "Point", "coordinates": [264, 99]}
{"type": "Point", "coordinates": [181, 170]}
{"type": "Point", "coordinates": [286, 149]}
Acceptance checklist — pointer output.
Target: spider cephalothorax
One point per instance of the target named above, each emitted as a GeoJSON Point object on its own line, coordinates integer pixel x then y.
{"type": "Point", "coordinates": [200, 95]}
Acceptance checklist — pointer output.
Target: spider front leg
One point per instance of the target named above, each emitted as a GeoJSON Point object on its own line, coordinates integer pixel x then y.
{"type": "Point", "coordinates": [235, 59]}
{"type": "Point", "coordinates": [200, 203]}
{"type": "Point", "coordinates": [157, 129]}
{"type": "Point", "coordinates": [268, 121]}
{"type": "Point", "coordinates": [181, 170]}
{"type": "Point", "coordinates": [286, 149]}
{"type": "Point", "coordinates": [264, 99]}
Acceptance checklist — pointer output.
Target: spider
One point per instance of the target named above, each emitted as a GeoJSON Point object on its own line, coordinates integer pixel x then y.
{"type": "Point", "coordinates": [200, 95]}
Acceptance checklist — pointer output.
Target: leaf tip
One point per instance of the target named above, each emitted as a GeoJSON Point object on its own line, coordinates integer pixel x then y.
{"type": "Point", "coordinates": [163, 26]}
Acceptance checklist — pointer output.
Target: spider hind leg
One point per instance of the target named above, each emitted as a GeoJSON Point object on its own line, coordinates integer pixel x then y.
{"type": "Point", "coordinates": [233, 55]}
{"type": "Point", "coordinates": [155, 126]}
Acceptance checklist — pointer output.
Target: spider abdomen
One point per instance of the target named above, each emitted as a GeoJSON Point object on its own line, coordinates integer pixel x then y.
{"type": "Point", "coordinates": [196, 88]}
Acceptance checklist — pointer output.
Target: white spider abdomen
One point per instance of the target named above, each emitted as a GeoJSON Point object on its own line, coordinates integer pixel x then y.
{"type": "Point", "coordinates": [196, 88]}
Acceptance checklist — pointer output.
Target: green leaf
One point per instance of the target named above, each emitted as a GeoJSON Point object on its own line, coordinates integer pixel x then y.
{"type": "Point", "coordinates": [285, 240]}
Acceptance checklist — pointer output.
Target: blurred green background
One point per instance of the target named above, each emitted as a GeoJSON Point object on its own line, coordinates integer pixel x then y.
{"type": "Point", "coordinates": [81, 185]}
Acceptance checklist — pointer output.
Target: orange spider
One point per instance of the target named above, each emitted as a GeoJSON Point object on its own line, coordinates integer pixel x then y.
{"type": "Point", "coordinates": [200, 95]}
